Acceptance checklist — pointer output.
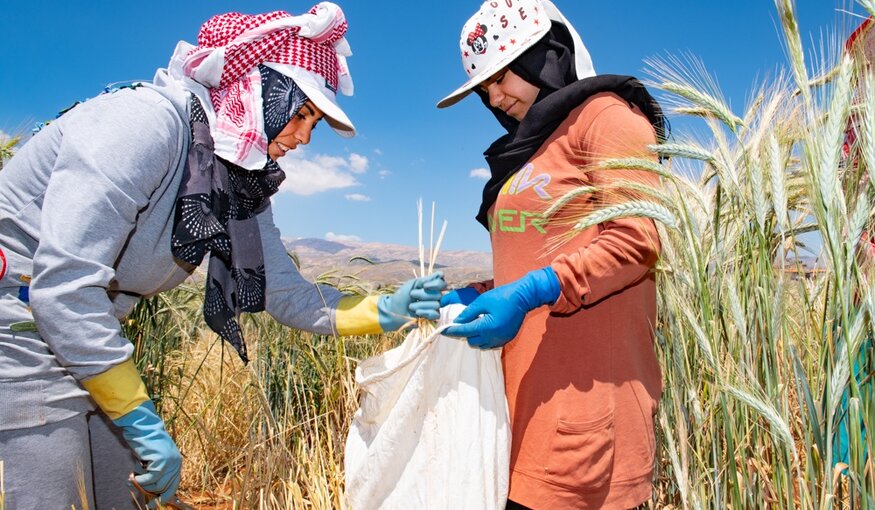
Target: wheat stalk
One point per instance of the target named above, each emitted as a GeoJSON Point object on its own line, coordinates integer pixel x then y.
{"type": "Point", "coordinates": [635, 187]}
{"type": "Point", "coordinates": [758, 189]}
{"type": "Point", "coordinates": [768, 412]}
{"type": "Point", "coordinates": [825, 156]}
{"type": "Point", "coordinates": [858, 220]}
{"type": "Point", "coordinates": [437, 248]}
{"type": "Point", "coordinates": [682, 151]}
{"type": "Point", "coordinates": [646, 165]}
{"type": "Point", "coordinates": [632, 209]}
{"type": "Point", "coordinates": [794, 45]}
{"type": "Point", "coordinates": [694, 90]}
{"type": "Point", "coordinates": [738, 316]}
{"type": "Point", "coordinates": [706, 102]}
{"type": "Point", "coordinates": [680, 473]}
{"type": "Point", "coordinates": [753, 112]}
{"type": "Point", "coordinates": [692, 111]}
{"type": "Point", "coordinates": [701, 339]}
{"type": "Point", "coordinates": [842, 371]}
{"type": "Point", "coordinates": [421, 246]}
{"type": "Point", "coordinates": [776, 179]}
{"type": "Point", "coordinates": [566, 198]}
{"type": "Point", "coordinates": [829, 152]}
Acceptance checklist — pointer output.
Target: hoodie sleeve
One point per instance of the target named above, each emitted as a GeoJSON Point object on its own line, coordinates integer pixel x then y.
{"type": "Point", "coordinates": [624, 250]}
{"type": "Point", "coordinates": [289, 297]}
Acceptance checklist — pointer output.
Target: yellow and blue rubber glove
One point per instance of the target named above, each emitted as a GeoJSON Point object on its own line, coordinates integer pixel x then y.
{"type": "Point", "coordinates": [416, 298]}
{"type": "Point", "coordinates": [121, 394]}
{"type": "Point", "coordinates": [494, 317]}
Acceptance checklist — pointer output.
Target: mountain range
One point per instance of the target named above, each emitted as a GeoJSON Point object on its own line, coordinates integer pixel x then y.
{"type": "Point", "coordinates": [374, 265]}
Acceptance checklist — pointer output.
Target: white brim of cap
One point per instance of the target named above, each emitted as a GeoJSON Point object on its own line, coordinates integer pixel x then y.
{"type": "Point", "coordinates": [315, 91]}
{"type": "Point", "coordinates": [460, 93]}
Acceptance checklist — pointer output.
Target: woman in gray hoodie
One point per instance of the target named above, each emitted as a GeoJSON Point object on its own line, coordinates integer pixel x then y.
{"type": "Point", "coordinates": [121, 198]}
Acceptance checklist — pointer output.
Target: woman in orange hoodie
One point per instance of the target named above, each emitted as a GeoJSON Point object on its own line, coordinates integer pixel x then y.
{"type": "Point", "coordinates": [575, 322]}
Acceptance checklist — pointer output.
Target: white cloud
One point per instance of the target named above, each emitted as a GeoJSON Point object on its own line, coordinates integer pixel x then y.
{"type": "Point", "coordinates": [358, 164]}
{"type": "Point", "coordinates": [384, 173]}
{"type": "Point", "coordinates": [378, 152]}
{"type": "Point", "coordinates": [341, 238]}
{"type": "Point", "coordinates": [357, 197]}
{"type": "Point", "coordinates": [306, 175]}
{"type": "Point", "coordinates": [480, 173]}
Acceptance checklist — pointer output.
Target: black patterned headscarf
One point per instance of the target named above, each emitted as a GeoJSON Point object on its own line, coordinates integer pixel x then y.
{"type": "Point", "coordinates": [216, 209]}
{"type": "Point", "coordinates": [282, 99]}
{"type": "Point", "coordinates": [549, 65]}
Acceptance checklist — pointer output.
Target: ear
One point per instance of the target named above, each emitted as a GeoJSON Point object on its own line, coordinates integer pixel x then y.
{"type": "Point", "coordinates": [483, 28]}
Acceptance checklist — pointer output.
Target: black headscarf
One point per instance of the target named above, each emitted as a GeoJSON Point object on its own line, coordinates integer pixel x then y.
{"type": "Point", "coordinates": [549, 65]}
{"type": "Point", "coordinates": [216, 208]}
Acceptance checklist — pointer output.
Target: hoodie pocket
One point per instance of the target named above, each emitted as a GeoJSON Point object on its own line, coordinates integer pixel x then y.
{"type": "Point", "coordinates": [582, 454]}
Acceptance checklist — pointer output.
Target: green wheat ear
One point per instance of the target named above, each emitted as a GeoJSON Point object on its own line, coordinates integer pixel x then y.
{"type": "Point", "coordinates": [7, 148]}
{"type": "Point", "coordinates": [632, 209]}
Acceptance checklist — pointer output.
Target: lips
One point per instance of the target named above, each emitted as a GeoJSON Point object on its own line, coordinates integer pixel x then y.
{"type": "Point", "coordinates": [284, 148]}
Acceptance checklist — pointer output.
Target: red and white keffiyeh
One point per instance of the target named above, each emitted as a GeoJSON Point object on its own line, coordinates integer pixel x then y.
{"type": "Point", "coordinates": [310, 48]}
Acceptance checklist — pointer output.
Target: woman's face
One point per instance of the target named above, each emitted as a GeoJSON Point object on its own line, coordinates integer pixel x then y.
{"type": "Point", "coordinates": [510, 93]}
{"type": "Point", "coordinates": [297, 131]}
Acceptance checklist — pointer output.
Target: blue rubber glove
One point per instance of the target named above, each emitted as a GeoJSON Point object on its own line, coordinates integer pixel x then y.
{"type": "Point", "coordinates": [495, 317]}
{"type": "Point", "coordinates": [464, 296]}
{"type": "Point", "coordinates": [144, 431]}
{"type": "Point", "coordinates": [417, 298]}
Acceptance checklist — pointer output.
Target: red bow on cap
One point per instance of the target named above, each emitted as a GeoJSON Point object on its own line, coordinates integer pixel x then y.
{"type": "Point", "coordinates": [478, 32]}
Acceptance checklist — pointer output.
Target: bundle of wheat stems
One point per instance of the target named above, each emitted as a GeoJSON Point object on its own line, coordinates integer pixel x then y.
{"type": "Point", "coordinates": [426, 326]}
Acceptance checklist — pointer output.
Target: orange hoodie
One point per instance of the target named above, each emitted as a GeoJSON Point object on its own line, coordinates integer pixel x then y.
{"type": "Point", "coordinates": [581, 377]}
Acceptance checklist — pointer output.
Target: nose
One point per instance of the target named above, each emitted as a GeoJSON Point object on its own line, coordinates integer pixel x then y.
{"type": "Point", "coordinates": [495, 95]}
{"type": "Point", "coordinates": [303, 133]}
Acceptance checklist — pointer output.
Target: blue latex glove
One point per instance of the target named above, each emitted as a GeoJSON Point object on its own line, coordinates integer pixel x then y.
{"type": "Point", "coordinates": [495, 317]}
{"type": "Point", "coordinates": [419, 297]}
{"type": "Point", "coordinates": [144, 431]}
{"type": "Point", "coordinates": [464, 296]}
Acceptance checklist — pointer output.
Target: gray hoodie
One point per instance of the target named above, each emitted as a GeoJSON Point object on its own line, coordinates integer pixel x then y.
{"type": "Point", "coordinates": [86, 213]}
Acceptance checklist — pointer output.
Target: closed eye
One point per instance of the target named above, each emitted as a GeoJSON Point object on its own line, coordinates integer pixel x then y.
{"type": "Point", "coordinates": [495, 78]}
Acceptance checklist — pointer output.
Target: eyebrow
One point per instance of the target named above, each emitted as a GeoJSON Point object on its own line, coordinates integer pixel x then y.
{"type": "Point", "coordinates": [310, 109]}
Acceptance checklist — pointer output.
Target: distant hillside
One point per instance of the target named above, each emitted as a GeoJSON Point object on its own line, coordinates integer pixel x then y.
{"type": "Point", "coordinates": [384, 264]}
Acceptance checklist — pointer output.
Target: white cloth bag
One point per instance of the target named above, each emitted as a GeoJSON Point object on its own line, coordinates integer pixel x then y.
{"type": "Point", "coordinates": [432, 431]}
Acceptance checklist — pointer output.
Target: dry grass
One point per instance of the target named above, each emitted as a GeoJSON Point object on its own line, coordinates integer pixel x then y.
{"type": "Point", "coordinates": [271, 434]}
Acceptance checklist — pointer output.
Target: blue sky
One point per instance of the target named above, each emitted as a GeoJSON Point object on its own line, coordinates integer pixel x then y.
{"type": "Point", "coordinates": [405, 59]}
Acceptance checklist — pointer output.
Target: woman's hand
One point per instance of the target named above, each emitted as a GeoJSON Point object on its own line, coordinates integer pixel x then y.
{"type": "Point", "coordinates": [144, 432]}
{"type": "Point", "coordinates": [416, 298]}
{"type": "Point", "coordinates": [495, 317]}
{"type": "Point", "coordinates": [121, 394]}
